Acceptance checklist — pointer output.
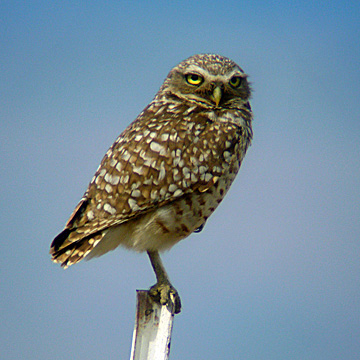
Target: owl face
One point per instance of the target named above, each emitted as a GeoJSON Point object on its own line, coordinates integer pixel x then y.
{"type": "Point", "coordinates": [211, 81]}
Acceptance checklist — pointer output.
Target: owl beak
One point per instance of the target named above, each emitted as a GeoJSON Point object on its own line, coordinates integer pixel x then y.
{"type": "Point", "coordinates": [216, 95]}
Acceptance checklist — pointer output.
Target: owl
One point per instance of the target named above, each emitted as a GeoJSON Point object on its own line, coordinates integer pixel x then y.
{"type": "Point", "coordinates": [168, 170]}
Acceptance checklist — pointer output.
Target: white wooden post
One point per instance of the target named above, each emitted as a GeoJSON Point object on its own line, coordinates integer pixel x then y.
{"type": "Point", "coordinates": [153, 327]}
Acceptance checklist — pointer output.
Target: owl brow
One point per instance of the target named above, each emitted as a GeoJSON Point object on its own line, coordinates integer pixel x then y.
{"type": "Point", "coordinates": [204, 72]}
{"type": "Point", "coordinates": [237, 72]}
{"type": "Point", "coordinates": [196, 69]}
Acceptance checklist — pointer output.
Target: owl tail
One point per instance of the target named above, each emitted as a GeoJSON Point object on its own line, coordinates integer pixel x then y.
{"type": "Point", "coordinates": [68, 252]}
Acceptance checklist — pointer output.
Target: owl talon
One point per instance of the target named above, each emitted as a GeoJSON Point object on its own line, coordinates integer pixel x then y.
{"type": "Point", "coordinates": [165, 293]}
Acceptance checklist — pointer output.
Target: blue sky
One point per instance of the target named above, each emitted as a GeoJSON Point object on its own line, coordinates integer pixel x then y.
{"type": "Point", "coordinates": [275, 274]}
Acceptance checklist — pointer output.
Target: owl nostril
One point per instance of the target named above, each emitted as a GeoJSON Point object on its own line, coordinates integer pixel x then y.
{"type": "Point", "coordinates": [217, 84]}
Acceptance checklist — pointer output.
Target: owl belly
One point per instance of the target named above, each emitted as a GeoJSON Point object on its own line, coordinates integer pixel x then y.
{"type": "Point", "coordinates": [163, 227]}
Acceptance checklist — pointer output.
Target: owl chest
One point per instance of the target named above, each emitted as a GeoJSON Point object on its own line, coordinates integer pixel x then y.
{"type": "Point", "coordinates": [217, 192]}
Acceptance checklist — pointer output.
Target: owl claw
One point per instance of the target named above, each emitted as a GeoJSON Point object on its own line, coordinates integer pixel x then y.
{"type": "Point", "coordinates": [164, 294]}
{"type": "Point", "coordinates": [199, 228]}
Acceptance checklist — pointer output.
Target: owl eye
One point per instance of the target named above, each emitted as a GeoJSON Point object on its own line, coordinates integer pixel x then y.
{"type": "Point", "coordinates": [194, 79]}
{"type": "Point", "coordinates": [235, 81]}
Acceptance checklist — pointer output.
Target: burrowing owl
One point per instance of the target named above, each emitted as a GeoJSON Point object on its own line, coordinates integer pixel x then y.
{"type": "Point", "coordinates": [168, 171]}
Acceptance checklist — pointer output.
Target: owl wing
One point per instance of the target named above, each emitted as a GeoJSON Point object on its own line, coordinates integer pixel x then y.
{"type": "Point", "coordinates": [160, 157]}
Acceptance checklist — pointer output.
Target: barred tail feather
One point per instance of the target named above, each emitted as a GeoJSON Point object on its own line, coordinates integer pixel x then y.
{"type": "Point", "coordinates": [68, 252]}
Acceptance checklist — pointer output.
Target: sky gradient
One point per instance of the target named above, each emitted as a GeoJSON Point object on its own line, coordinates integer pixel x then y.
{"type": "Point", "coordinates": [275, 274]}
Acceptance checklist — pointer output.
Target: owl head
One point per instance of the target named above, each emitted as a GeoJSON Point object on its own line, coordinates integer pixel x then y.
{"type": "Point", "coordinates": [208, 80]}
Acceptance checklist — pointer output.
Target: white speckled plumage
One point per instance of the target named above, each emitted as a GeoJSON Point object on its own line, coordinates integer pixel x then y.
{"type": "Point", "coordinates": [168, 171]}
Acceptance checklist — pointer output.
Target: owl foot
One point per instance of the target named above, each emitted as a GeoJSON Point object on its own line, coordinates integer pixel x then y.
{"type": "Point", "coordinates": [164, 293]}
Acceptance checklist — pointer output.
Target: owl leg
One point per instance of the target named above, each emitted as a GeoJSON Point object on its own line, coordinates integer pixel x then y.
{"type": "Point", "coordinates": [163, 292]}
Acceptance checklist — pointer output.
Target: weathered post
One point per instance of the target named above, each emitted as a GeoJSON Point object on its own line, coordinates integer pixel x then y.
{"type": "Point", "coordinates": [153, 327]}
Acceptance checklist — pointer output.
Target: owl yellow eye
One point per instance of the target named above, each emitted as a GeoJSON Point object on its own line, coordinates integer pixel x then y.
{"type": "Point", "coordinates": [194, 79]}
{"type": "Point", "coordinates": [235, 81]}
